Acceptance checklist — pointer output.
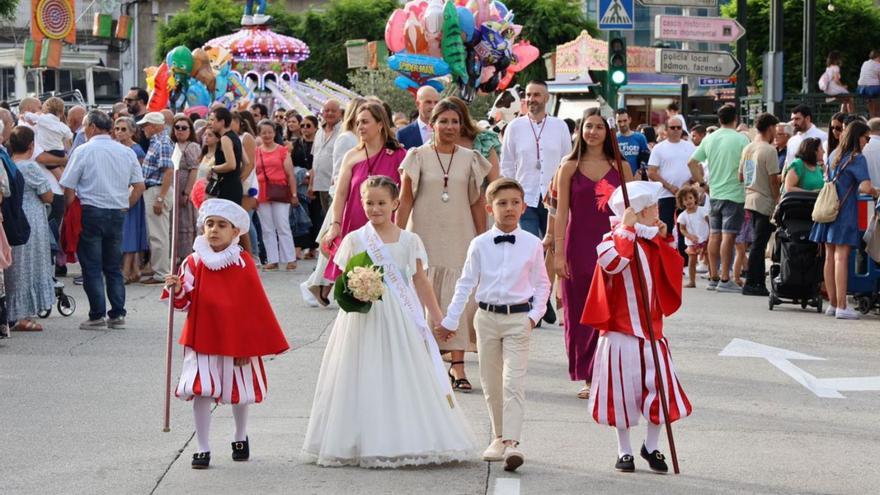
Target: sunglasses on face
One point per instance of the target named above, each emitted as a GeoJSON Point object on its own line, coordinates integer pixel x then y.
{"type": "Point", "coordinates": [674, 128]}
{"type": "Point", "coordinates": [120, 129]}
{"type": "Point", "coordinates": [307, 126]}
{"type": "Point", "coordinates": [181, 128]}
{"type": "Point", "coordinates": [837, 128]}
{"type": "Point", "coordinates": [129, 100]}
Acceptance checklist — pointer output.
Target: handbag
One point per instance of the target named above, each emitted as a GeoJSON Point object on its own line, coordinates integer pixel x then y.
{"type": "Point", "coordinates": [872, 237]}
{"type": "Point", "coordinates": [212, 187]}
{"type": "Point", "coordinates": [827, 203]}
{"type": "Point", "coordinates": [274, 192]}
{"type": "Point", "coordinates": [5, 249]}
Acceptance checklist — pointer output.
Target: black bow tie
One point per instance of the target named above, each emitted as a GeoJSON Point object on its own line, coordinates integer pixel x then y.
{"type": "Point", "coordinates": [505, 238]}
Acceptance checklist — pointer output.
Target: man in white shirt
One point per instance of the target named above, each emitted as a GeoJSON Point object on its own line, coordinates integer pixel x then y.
{"type": "Point", "coordinates": [668, 165]}
{"type": "Point", "coordinates": [802, 122]}
{"type": "Point", "coordinates": [419, 131]}
{"type": "Point", "coordinates": [872, 152]}
{"type": "Point", "coordinates": [534, 146]}
{"type": "Point", "coordinates": [322, 153]}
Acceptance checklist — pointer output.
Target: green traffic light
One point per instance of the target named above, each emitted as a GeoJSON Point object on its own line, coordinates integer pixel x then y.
{"type": "Point", "coordinates": [618, 77]}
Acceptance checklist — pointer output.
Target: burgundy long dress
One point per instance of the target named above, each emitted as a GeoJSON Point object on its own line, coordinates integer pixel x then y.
{"type": "Point", "coordinates": [586, 226]}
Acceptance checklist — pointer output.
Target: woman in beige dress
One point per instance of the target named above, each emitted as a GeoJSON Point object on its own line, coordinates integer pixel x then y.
{"type": "Point", "coordinates": [440, 201]}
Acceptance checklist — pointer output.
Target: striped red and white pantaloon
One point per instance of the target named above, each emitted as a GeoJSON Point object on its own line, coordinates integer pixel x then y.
{"type": "Point", "coordinates": [623, 387]}
{"type": "Point", "coordinates": [217, 377]}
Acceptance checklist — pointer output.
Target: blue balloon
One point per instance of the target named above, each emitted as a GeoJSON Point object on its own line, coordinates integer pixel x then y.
{"type": "Point", "coordinates": [405, 83]}
{"type": "Point", "coordinates": [466, 22]}
{"type": "Point", "coordinates": [501, 8]}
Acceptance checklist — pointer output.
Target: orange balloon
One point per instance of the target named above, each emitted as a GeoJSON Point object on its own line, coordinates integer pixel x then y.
{"type": "Point", "coordinates": [414, 35]}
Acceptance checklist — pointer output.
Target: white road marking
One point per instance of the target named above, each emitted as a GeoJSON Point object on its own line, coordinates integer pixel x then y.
{"type": "Point", "coordinates": [828, 388]}
{"type": "Point", "coordinates": [506, 486]}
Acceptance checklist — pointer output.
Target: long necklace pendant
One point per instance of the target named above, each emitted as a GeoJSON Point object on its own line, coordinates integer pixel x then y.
{"type": "Point", "coordinates": [444, 197]}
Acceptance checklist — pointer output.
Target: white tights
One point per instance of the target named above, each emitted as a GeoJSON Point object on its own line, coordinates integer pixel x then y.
{"type": "Point", "coordinates": [651, 439]}
{"type": "Point", "coordinates": [202, 415]}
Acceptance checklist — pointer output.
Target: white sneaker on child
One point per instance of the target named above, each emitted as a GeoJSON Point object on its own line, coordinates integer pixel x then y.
{"type": "Point", "coordinates": [701, 268]}
{"type": "Point", "coordinates": [495, 451]}
{"type": "Point", "coordinates": [830, 310]}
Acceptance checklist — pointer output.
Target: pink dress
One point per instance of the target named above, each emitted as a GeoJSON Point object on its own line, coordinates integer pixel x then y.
{"type": "Point", "coordinates": [353, 216]}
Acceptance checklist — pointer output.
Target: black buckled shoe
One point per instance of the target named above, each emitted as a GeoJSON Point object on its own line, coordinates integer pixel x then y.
{"type": "Point", "coordinates": [626, 464]}
{"type": "Point", "coordinates": [201, 460]}
{"type": "Point", "coordinates": [241, 451]}
{"type": "Point", "coordinates": [656, 460]}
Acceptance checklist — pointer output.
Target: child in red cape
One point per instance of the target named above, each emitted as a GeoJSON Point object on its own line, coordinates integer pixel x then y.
{"type": "Point", "coordinates": [230, 326]}
{"type": "Point", "coordinates": [624, 386]}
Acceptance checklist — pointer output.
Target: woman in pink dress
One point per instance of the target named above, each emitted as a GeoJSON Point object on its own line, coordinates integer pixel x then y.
{"type": "Point", "coordinates": [586, 175]}
{"type": "Point", "coordinates": [378, 153]}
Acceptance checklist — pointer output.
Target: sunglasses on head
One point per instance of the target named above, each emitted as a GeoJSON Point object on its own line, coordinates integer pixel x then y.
{"type": "Point", "coordinates": [181, 128]}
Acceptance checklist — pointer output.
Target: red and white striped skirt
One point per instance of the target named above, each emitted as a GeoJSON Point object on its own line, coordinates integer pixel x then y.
{"type": "Point", "coordinates": [207, 375]}
{"type": "Point", "coordinates": [623, 385]}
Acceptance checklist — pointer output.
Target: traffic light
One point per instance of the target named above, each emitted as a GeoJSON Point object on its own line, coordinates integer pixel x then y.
{"type": "Point", "coordinates": [616, 67]}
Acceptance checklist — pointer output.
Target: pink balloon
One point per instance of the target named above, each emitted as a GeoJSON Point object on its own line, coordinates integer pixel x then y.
{"type": "Point", "coordinates": [394, 28]}
{"type": "Point", "coordinates": [417, 7]}
{"type": "Point", "coordinates": [524, 54]}
{"type": "Point", "coordinates": [487, 73]}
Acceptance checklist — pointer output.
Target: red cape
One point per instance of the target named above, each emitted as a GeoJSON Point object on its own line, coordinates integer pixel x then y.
{"type": "Point", "coordinates": [607, 299]}
{"type": "Point", "coordinates": [230, 314]}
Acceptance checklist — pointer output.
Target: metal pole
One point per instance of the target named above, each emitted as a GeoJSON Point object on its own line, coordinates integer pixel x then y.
{"type": "Point", "coordinates": [776, 35]}
{"type": "Point", "coordinates": [742, 88]}
{"type": "Point", "coordinates": [809, 45]}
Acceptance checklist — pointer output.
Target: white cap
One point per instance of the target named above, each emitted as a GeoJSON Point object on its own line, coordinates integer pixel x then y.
{"type": "Point", "coordinates": [152, 118]}
{"type": "Point", "coordinates": [224, 208]}
{"type": "Point", "coordinates": [642, 194]}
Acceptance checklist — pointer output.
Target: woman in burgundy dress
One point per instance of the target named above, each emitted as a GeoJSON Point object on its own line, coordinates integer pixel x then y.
{"type": "Point", "coordinates": [378, 153]}
{"type": "Point", "coordinates": [586, 176]}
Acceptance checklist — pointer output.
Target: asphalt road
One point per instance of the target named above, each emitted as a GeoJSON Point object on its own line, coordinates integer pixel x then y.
{"type": "Point", "coordinates": [81, 411]}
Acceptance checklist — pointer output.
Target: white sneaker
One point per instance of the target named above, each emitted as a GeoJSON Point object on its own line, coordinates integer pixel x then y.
{"type": "Point", "coordinates": [307, 295]}
{"type": "Point", "coordinates": [495, 451]}
{"type": "Point", "coordinates": [513, 458]}
{"type": "Point", "coordinates": [830, 310]}
{"type": "Point", "coordinates": [247, 20]}
{"type": "Point", "coordinates": [701, 268]}
{"type": "Point", "coordinates": [260, 19]}
{"type": "Point", "coordinates": [846, 314]}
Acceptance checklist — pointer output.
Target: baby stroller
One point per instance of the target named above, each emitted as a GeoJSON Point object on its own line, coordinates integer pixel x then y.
{"type": "Point", "coordinates": [797, 263]}
{"type": "Point", "coordinates": [863, 271]}
{"type": "Point", "coordinates": [66, 304]}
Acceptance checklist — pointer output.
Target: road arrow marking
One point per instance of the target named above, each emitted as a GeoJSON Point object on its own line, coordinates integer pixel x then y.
{"type": "Point", "coordinates": [828, 388]}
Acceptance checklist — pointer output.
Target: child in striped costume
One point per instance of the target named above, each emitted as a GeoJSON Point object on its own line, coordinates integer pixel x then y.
{"type": "Point", "coordinates": [230, 325]}
{"type": "Point", "coordinates": [624, 372]}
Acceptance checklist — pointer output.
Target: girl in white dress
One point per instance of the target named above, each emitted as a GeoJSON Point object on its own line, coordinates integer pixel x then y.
{"type": "Point", "coordinates": [382, 397]}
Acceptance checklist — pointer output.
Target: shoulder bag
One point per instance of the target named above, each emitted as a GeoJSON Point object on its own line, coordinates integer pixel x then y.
{"type": "Point", "coordinates": [827, 203]}
{"type": "Point", "coordinates": [274, 192]}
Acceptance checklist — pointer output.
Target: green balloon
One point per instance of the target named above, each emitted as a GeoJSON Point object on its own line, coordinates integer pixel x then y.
{"type": "Point", "coordinates": [180, 61]}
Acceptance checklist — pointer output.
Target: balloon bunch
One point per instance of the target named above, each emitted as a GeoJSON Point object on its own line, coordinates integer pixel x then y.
{"type": "Point", "coordinates": [473, 41]}
{"type": "Point", "coordinates": [194, 79]}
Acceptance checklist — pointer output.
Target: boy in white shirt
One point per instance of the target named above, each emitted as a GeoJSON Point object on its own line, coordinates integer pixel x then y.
{"type": "Point", "coordinates": [52, 135]}
{"type": "Point", "coordinates": [506, 267]}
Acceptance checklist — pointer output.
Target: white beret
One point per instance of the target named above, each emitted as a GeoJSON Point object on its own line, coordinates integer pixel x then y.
{"type": "Point", "coordinates": [224, 208]}
{"type": "Point", "coordinates": [642, 194]}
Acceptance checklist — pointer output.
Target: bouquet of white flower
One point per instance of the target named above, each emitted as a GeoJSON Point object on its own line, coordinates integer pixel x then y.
{"type": "Point", "coordinates": [365, 283]}
{"type": "Point", "coordinates": [360, 285]}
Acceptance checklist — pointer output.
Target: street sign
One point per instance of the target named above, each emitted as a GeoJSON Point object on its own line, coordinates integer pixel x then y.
{"type": "Point", "coordinates": [828, 388]}
{"type": "Point", "coordinates": [696, 63]}
{"type": "Point", "coordinates": [702, 29]}
{"type": "Point", "coordinates": [616, 14]}
{"type": "Point", "coordinates": [679, 3]}
{"type": "Point", "coordinates": [716, 82]}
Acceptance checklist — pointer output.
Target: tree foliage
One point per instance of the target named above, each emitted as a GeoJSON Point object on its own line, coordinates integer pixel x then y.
{"type": "Point", "coordinates": [8, 9]}
{"type": "Point", "coordinates": [852, 28]}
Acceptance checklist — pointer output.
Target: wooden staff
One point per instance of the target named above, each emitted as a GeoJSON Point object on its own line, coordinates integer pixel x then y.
{"type": "Point", "coordinates": [169, 340]}
{"type": "Point", "coordinates": [646, 306]}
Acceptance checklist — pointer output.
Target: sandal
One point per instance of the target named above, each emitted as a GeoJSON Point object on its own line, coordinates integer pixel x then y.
{"type": "Point", "coordinates": [291, 266]}
{"type": "Point", "coordinates": [461, 384]}
{"type": "Point", "coordinates": [584, 393]}
{"type": "Point", "coordinates": [27, 326]}
{"type": "Point", "coordinates": [271, 267]}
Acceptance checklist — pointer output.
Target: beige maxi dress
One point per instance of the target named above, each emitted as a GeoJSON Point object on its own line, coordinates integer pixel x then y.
{"type": "Point", "coordinates": [446, 228]}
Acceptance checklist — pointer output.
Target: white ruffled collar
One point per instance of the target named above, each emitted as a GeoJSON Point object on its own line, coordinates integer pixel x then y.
{"type": "Point", "coordinates": [643, 231]}
{"type": "Point", "coordinates": [215, 260]}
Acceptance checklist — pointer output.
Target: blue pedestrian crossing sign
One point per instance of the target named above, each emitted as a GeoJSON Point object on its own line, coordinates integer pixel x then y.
{"type": "Point", "coordinates": [616, 14]}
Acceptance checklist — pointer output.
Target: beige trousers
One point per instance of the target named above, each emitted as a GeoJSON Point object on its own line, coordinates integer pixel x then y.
{"type": "Point", "coordinates": [503, 349]}
{"type": "Point", "coordinates": [159, 232]}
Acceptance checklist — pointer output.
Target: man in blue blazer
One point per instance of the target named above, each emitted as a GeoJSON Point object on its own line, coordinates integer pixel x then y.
{"type": "Point", "coordinates": [419, 131]}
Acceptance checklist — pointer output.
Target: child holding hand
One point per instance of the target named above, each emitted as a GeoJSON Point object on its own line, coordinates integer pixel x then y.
{"type": "Point", "coordinates": [230, 325]}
